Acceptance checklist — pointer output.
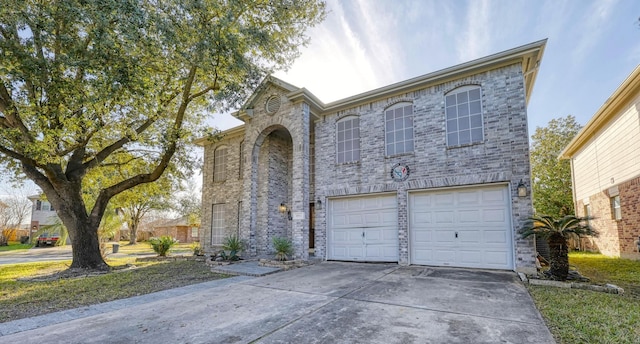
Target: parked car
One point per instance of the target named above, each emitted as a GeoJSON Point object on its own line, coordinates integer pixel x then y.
{"type": "Point", "coordinates": [46, 238]}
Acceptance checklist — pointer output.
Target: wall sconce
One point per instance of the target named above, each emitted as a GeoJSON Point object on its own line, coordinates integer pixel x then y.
{"type": "Point", "coordinates": [522, 189]}
{"type": "Point", "coordinates": [319, 204]}
{"type": "Point", "coordinates": [284, 209]}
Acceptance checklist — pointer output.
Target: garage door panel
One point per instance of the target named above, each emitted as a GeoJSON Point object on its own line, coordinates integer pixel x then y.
{"type": "Point", "coordinates": [468, 198]}
{"type": "Point", "coordinates": [444, 216]}
{"type": "Point", "coordinates": [469, 216]}
{"type": "Point", "coordinates": [371, 225]}
{"type": "Point", "coordinates": [481, 217]}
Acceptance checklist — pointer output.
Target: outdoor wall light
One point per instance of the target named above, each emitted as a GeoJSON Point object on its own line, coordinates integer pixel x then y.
{"type": "Point", "coordinates": [319, 204]}
{"type": "Point", "coordinates": [522, 189]}
{"type": "Point", "coordinates": [282, 208]}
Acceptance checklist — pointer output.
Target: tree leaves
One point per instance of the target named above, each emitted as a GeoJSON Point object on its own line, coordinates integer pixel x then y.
{"type": "Point", "coordinates": [551, 177]}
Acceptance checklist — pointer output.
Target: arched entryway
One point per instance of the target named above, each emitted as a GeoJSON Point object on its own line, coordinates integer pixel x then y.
{"type": "Point", "coordinates": [272, 189]}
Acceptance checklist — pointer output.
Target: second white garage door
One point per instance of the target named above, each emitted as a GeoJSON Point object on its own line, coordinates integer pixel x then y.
{"type": "Point", "coordinates": [363, 228]}
{"type": "Point", "coordinates": [464, 227]}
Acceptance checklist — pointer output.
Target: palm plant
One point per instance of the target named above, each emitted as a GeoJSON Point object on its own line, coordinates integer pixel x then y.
{"type": "Point", "coordinates": [556, 232]}
{"type": "Point", "coordinates": [283, 248]}
{"type": "Point", "coordinates": [234, 245]}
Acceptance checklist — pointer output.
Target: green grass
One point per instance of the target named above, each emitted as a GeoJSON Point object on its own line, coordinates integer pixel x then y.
{"type": "Point", "coordinates": [23, 298]}
{"type": "Point", "coordinates": [582, 316]}
{"type": "Point", "coordinates": [14, 246]}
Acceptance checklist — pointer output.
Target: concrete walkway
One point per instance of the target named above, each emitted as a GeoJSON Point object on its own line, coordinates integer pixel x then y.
{"type": "Point", "coordinates": [330, 302]}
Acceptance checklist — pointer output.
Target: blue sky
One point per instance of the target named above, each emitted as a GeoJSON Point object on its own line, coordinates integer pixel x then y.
{"type": "Point", "coordinates": [365, 44]}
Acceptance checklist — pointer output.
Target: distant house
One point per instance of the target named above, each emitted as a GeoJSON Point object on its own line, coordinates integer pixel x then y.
{"type": "Point", "coordinates": [179, 228]}
{"type": "Point", "coordinates": [42, 213]}
{"type": "Point", "coordinates": [605, 167]}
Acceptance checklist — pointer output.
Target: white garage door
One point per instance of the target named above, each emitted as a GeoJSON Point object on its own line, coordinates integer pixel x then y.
{"type": "Point", "coordinates": [363, 229]}
{"type": "Point", "coordinates": [465, 227]}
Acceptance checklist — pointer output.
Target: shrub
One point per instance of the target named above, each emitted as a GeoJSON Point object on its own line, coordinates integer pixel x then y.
{"type": "Point", "coordinates": [283, 247]}
{"type": "Point", "coordinates": [197, 249]}
{"type": "Point", "coordinates": [162, 245]}
{"type": "Point", "coordinates": [234, 245]}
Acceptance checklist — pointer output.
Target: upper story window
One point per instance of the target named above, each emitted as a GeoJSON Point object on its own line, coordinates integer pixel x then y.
{"type": "Point", "coordinates": [220, 164]}
{"type": "Point", "coordinates": [463, 108]}
{"type": "Point", "coordinates": [348, 140]}
{"type": "Point", "coordinates": [44, 206]}
{"type": "Point", "coordinates": [398, 128]}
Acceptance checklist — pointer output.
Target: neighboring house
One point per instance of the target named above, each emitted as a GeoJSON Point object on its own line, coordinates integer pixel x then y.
{"type": "Point", "coordinates": [179, 229]}
{"type": "Point", "coordinates": [424, 171]}
{"type": "Point", "coordinates": [605, 168]}
{"type": "Point", "coordinates": [42, 213]}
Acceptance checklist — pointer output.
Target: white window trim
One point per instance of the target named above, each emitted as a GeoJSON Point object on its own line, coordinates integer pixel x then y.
{"type": "Point", "coordinates": [413, 137]}
{"type": "Point", "coordinates": [224, 164]}
{"type": "Point", "coordinates": [352, 139]}
{"type": "Point", "coordinates": [455, 91]}
{"type": "Point", "coordinates": [218, 223]}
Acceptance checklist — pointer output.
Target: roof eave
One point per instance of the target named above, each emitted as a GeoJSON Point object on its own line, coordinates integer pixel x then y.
{"type": "Point", "coordinates": [627, 89]}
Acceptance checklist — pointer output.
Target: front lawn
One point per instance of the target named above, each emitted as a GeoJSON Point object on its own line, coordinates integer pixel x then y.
{"type": "Point", "coordinates": [21, 298]}
{"type": "Point", "coordinates": [582, 316]}
{"type": "Point", "coordinates": [15, 245]}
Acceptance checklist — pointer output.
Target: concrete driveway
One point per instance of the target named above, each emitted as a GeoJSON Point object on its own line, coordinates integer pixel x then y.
{"type": "Point", "coordinates": [330, 302]}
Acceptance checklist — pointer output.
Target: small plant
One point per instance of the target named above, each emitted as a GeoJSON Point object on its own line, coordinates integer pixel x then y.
{"type": "Point", "coordinates": [162, 245]}
{"type": "Point", "coordinates": [283, 247]}
{"type": "Point", "coordinates": [197, 249]}
{"type": "Point", "coordinates": [234, 245]}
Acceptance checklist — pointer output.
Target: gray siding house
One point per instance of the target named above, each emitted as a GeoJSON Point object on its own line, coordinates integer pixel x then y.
{"type": "Point", "coordinates": [425, 171]}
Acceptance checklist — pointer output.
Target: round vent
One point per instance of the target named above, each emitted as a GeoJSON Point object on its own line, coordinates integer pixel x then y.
{"type": "Point", "coordinates": [273, 105]}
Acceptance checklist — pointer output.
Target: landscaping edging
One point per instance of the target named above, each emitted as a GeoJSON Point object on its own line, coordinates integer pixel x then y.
{"type": "Point", "coordinates": [171, 259]}
{"type": "Point", "coordinates": [607, 288]}
{"type": "Point", "coordinates": [284, 265]}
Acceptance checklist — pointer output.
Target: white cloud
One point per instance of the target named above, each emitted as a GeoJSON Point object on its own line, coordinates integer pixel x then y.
{"type": "Point", "coordinates": [475, 40]}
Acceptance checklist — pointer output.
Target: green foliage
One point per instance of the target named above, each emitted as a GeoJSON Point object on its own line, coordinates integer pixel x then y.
{"type": "Point", "coordinates": [162, 245]}
{"type": "Point", "coordinates": [567, 226]}
{"type": "Point", "coordinates": [197, 249]}
{"type": "Point", "coordinates": [551, 177]}
{"type": "Point", "coordinates": [556, 232]}
{"type": "Point", "coordinates": [234, 245]}
{"type": "Point", "coordinates": [283, 248]}
{"type": "Point", "coordinates": [88, 86]}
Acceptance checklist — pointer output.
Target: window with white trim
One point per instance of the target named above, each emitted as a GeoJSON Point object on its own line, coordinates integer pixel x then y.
{"type": "Point", "coordinates": [398, 128]}
{"type": "Point", "coordinates": [463, 111]}
{"type": "Point", "coordinates": [348, 140]}
{"type": "Point", "coordinates": [217, 224]}
{"type": "Point", "coordinates": [616, 211]}
{"type": "Point", "coordinates": [220, 164]}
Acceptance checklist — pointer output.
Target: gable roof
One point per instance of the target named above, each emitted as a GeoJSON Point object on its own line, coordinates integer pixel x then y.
{"type": "Point", "coordinates": [629, 88]}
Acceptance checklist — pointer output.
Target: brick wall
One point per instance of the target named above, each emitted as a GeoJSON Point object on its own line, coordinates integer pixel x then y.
{"type": "Point", "coordinates": [617, 238]}
{"type": "Point", "coordinates": [502, 157]}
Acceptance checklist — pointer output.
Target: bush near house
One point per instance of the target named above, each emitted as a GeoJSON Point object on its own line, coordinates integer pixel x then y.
{"type": "Point", "coordinates": [162, 245]}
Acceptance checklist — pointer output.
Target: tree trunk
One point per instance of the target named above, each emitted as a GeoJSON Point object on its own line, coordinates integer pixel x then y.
{"type": "Point", "coordinates": [559, 254]}
{"type": "Point", "coordinates": [133, 232]}
{"type": "Point", "coordinates": [66, 197]}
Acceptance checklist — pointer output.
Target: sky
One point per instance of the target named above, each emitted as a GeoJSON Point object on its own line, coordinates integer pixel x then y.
{"type": "Point", "coordinates": [366, 44]}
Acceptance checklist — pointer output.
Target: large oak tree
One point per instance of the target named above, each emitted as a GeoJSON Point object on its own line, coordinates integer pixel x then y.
{"type": "Point", "coordinates": [84, 81]}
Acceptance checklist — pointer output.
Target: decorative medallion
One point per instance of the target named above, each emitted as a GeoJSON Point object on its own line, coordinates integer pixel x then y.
{"type": "Point", "coordinates": [399, 172]}
{"type": "Point", "coordinates": [273, 105]}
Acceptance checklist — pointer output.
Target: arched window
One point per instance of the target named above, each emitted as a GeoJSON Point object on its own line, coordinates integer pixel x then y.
{"type": "Point", "coordinates": [398, 120]}
{"type": "Point", "coordinates": [348, 139]}
{"type": "Point", "coordinates": [220, 164]}
{"type": "Point", "coordinates": [463, 110]}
